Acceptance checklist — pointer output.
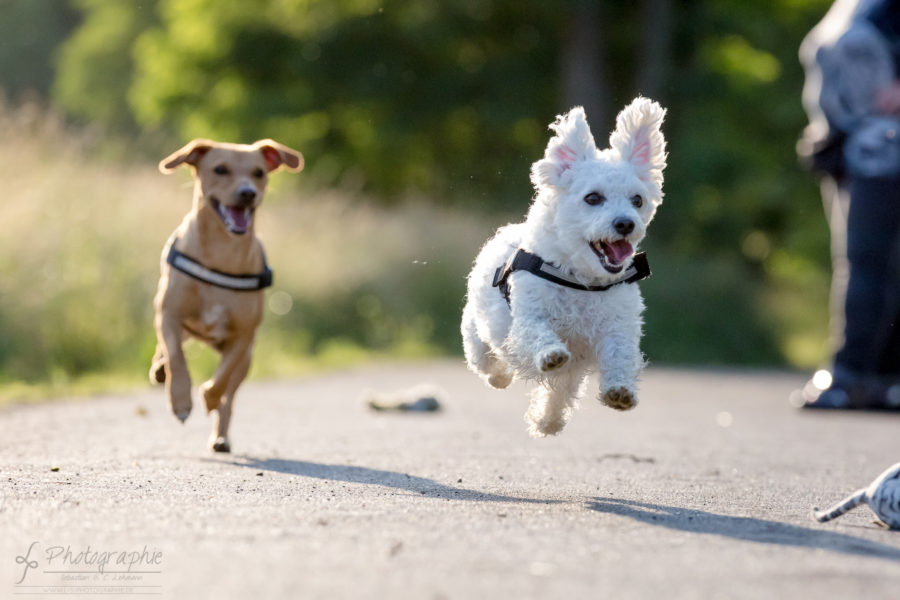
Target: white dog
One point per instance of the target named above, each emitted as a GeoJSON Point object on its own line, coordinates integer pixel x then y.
{"type": "Point", "coordinates": [554, 297]}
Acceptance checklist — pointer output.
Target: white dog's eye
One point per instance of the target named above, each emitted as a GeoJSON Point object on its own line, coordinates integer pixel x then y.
{"type": "Point", "coordinates": [637, 201]}
{"type": "Point", "coordinates": [594, 198]}
{"type": "Point", "coordinates": [258, 173]}
{"type": "Point", "coordinates": [221, 170]}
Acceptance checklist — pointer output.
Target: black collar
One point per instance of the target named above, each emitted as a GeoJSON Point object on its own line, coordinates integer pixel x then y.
{"type": "Point", "coordinates": [523, 260]}
{"type": "Point", "coordinates": [240, 283]}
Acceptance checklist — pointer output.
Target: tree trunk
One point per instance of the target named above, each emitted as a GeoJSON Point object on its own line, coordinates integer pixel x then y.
{"type": "Point", "coordinates": [653, 53]}
{"type": "Point", "coordinates": [584, 73]}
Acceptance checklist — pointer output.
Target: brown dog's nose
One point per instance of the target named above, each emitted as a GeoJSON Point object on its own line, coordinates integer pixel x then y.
{"type": "Point", "coordinates": [247, 196]}
{"type": "Point", "coordinates": [623, 226]}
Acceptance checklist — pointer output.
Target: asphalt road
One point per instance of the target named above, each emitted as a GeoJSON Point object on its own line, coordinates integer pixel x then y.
{"type": "Point", "coordinates": [703, 491]}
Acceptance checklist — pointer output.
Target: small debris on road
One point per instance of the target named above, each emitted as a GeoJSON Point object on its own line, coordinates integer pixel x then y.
{"type": "Point", "coordinates": [419, 398]}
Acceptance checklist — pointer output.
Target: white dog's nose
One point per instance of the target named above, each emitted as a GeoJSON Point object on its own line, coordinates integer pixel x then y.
{"type": "Point", "coordinates": [623, 225]}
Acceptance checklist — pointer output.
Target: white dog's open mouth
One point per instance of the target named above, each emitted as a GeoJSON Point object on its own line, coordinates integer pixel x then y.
{"type": "Point", "coordinates": [236, 218]}
{"type": "Point", "coordinates": [612, 254]}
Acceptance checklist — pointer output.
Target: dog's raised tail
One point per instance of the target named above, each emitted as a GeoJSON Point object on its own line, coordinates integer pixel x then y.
{"type": "Point", "coordinates": [847, 504]}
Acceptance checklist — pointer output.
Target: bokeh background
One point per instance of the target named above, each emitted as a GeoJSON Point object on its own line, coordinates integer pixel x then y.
{"type": "Point", "coordinates": [419, 120]}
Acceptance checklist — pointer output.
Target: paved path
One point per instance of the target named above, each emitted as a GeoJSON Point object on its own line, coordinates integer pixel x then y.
{"type": "Point", "coordinates": [702, 492]}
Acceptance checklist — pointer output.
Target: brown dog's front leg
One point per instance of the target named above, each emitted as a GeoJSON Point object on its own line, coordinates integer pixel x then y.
{"type": "Point", "coordinates": [178, 379]}
{"type": "Point", "coordinates": [234, 355]}
{"type": "Point", "coordinates": [158, 366]}
{"type": "Point", "coordinates": [219, 439]}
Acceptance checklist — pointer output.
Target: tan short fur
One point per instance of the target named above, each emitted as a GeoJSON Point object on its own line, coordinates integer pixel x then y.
{"type": "Point", "coordinates": [227, 175]}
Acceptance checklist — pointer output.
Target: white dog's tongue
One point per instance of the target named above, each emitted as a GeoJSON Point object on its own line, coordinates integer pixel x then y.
{"type": "Point", "coordinates": [618, 251]}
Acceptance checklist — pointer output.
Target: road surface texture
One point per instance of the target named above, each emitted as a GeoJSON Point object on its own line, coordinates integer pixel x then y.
{"type": "Point", "coordinates": [704, 491]}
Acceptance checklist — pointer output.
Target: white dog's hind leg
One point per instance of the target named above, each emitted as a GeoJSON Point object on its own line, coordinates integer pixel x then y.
{"type": "Point", "coordinates": [480, 358]}
{"type": "Point", "coordinates": [552, 403]}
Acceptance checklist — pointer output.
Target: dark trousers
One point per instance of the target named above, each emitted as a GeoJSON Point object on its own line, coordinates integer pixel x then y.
{"type": "Point", "coordinates": [872, 304]}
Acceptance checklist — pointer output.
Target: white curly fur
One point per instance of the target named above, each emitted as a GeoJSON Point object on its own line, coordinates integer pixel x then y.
{"type": "Point", "coordinates": [555, 334]}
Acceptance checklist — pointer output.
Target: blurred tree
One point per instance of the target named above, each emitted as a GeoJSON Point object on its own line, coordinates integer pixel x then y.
{"type": "Point", "coordinates": [30, 31]}
{"type": "Point", "coordinates": [394, 95]}
{"type": "Point", "coordinates": [654, 51]}
{"type": "Point", "coordinates": [451, 99]}
{"type": "Point", "coordinates": [96, 65]}
{"type": "Point", "coordinates": [585, 78]}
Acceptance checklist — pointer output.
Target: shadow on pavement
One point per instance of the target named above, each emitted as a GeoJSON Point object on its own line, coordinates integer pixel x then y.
{"type": "Point", "coordinates": [391, 479]}
{"type": "Point", "coordinates": [742, 528]}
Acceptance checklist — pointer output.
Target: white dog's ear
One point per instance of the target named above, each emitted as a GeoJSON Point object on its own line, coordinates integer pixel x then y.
{"type": "Point", "coordinates": [573, 142]}
{"type": "Point", "coordinates": [639, 140]}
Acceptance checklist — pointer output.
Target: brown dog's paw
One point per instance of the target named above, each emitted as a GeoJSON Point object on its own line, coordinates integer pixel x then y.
{"type": "Point", "coordinates": [211, 400]}
{"type": "Point", "coordinates": [552, 359]}
{"type": "Point", "coordinates": [158, 373]}
{"type": "Point", "coordinates": [619, 398]}
{"type": "Point", "coordinates": [158, 367]}
{"type": "Point", "coordinates": [220, 444]}
{"type": "Point", "coordinates": [181, 407]}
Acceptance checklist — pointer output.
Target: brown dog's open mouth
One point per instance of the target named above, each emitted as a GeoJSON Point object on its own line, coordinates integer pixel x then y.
{"type": "Point", "coordinates": [612, 254]}
{"type": "Point", "coordinates": [236, 218]}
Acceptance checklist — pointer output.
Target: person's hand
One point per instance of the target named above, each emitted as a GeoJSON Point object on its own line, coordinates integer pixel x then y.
{"type": "Point", "coordinates": [887, 100]}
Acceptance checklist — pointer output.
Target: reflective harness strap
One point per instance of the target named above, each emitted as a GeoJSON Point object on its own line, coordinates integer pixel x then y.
{"type": "Point", "coordinates": [523, 260]}
{"type": "Point", "coordinates": [240, 283]}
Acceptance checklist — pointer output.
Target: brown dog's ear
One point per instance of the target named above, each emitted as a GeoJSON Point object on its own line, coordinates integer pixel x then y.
{"type": "Point", "coordinates": [278, 155]}
{"type": "Point", "coordinates": [190, 154]}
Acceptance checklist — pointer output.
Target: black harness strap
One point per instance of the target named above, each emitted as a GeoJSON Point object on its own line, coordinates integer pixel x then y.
{"type": "Point", "coordinates": [523, 260]}
{"type": "Point", "coordinates": [239, 283]}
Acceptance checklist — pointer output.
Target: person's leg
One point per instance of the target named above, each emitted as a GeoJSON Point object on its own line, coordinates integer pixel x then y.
{"type": "Point", "coordinates": [817, 392]}
{"type": "Point", "coordinates": [888, 365]}
{"type": "Point", "coordinates": [872, 226]}
{"type": "Point", "coordinates": [871, 336]}
{"type": "Point", "coordinates": [836, 202]}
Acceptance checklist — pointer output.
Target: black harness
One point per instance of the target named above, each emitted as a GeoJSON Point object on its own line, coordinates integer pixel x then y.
{"type": "Point", "coordinates": [239, 283]}
{"type": "Point", "coordinates": [523, 260]}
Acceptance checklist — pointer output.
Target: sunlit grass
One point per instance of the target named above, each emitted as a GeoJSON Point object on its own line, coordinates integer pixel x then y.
{"type": "Point", "coordinates": [79, 264]}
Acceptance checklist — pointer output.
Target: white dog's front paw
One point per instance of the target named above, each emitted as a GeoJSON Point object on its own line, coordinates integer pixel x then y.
{"type": "Point", "coordinates": [619, 398]}
{"type": "Point", "coordinates": [500, 380]}
{"type": "Point", "coordinates": [552, 358]}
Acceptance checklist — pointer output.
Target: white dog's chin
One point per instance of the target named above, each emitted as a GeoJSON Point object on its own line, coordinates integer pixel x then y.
{"type": "Point", "coordinates": [612, 253]}
{"type": "Point", "coordinates": [236, 218]}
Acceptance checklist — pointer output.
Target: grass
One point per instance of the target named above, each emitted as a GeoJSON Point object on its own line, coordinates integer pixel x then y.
{"type": "Point", "coordinates": [79, 264]}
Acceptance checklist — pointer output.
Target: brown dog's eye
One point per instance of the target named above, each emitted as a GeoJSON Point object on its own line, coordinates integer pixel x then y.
{"type": "Point", "coordinates": [594, 198]}
{"type": "Point", "coordinates": [221, 170]}
{"type": "Point", "coordinates": [258, 173]}
{"type": "Point", "coordinates": [637, 201]}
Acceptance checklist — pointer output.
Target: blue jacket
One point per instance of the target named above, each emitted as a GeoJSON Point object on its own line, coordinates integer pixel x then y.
{"type": "Point", "coordinates": [848, 56]}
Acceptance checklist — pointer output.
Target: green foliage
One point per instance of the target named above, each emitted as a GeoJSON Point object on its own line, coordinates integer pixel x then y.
{"type": "Point", "coordinates": [399, 95]}
{"type": "Point", "coordinates": [96, 65]}
{"type": "Point", "coordinates": [30, 31]}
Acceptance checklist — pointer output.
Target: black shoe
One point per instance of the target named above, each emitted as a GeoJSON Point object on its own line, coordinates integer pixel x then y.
{"type": "Point", "coordinates": [834, 398]}
{"type": "Point", "coordinates": [862, 393]}
{"type": "Point", "coordinates": [821, 392]}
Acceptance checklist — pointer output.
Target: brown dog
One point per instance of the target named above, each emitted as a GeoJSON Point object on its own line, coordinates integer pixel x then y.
{"type": "Point", "coordinates": [213, 272]}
